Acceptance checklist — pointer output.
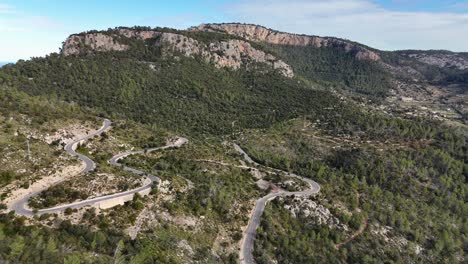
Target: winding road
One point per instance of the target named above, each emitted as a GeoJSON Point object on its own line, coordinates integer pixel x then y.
{"type": "Point", "coordinates": [247, 242]}
{"type": "Point", "coordinates": [115, 161]}
{"type": "Point", "coordinates": [20, 206]}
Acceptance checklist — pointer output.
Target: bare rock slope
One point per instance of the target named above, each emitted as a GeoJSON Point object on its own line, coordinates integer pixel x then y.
{"type": "Point", "coordinates": [230, 53]}
{"type": "Point", "coordinates": [74, 44]}
{"type": "Point", "coordinates": [441, 59]}
{"type": "Point", "coordinates": [259, 33]}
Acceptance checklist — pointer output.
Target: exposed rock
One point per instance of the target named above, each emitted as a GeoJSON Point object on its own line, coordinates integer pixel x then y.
{"type": "Point", "coordinates": [185, 246]}
{"type": "Point", "coordinates": [382, 231]}
{"type": "Point", "coordinates": [228, 53]}
{"type": "Point", "coordinates": [164, 187]}
{"type": "Point", "coordinates": [390, 237]}
{"type": "Point", "coordinates": [64, 135]}
{"type": "Point", "coordinates": [96, 41]}
{"type": "Point", "coordinates": [231, 53]}
{"type": "Point", "coordinates": [418, 249]}
{"type": "Point", "coordinates": [257, 174]}
{"type": "Point", "coordinates": [140, 34]}
{"type": "Point", "coordinates": [187, 46]}
{"type": "Point", "coordinates": [262, 184]}
{"type": "Point", "coordinates": [442, 59]}
{"type": "Point", "coordinates": [290, 185]}
{"type": "Point", "coordinates": [317, 214]}
{"type": "Point", "coordinates": [259, 33]}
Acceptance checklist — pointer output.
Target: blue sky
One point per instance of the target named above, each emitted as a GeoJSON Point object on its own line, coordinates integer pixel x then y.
{"type": "Point", "coordinates": [38, 27]}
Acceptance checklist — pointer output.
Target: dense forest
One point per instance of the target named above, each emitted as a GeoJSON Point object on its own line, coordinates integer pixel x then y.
{"type": "Point", "coordinates": [334, 67]}
{"type": "Point", "coordinates": [415, 185]}
{"type": "Point", "coordinates": [176, 95]}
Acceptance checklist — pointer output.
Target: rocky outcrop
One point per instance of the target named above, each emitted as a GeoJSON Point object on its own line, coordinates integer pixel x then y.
{"type": "Point", "coordinates": [442, 59]}
{"type": "Point", "coordinates": [140, 34]}
{"type": "Point", "coordinates": [74, 44]}
{"type": "Point", "coordinates": [230, 53]}
{"type": "Point", "coordinates": [311, 212]}
{"type": "Point", "coordinates": [259, 33]}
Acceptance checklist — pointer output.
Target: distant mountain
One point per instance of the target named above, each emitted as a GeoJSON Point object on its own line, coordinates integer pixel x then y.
{"type": "Point", "coordinates": [3, 63]}
{"type": "Point", "coordinates": [439, 58]}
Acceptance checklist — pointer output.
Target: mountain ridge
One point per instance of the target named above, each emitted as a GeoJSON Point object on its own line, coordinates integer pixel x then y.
{"type": "Point", "coordinates": [230, 53]}
{"type": "Point", "coordinates": [393, 77]}
{"type": "Point", "coordinates": [261, 33]}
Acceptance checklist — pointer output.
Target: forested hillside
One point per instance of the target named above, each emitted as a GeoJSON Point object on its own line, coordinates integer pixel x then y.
{"type": "Point", "coordinates": [393, 184]}
{"type": "Point", "coordinates": [402, 190]}
{"type": "Point", "coordinates": [178, 95]}
{"type": "Point", "coordinates": [336, 68]}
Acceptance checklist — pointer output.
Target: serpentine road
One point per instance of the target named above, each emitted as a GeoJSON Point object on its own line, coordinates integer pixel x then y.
{"type": "Point", "coordinates": [20, 206]}
{"type": "Point", "coordinates": [247, 243]}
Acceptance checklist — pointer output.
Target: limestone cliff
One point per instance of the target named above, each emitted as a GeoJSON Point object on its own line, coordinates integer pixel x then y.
{"type": "Point", "coordinates": [74, 44]}
{"type": "Point", "coordinates": [441, 59]}
{"type": "Point", "coordinates": [226, 53]}
{"type": "Point", "coordinates": [259, 33]}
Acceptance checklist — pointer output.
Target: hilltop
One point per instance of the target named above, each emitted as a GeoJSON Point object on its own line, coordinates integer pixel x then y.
{"type": "Point", "coordinates": [349, 66]}
{"type": "Point", "coordinates": [263, 34]}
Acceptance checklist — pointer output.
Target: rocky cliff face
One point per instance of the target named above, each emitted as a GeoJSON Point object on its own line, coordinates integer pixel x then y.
{"type": "Point", "coordinates": [74, 44]}
{"type": "Point", "coordinates": [259, 33]}
{"type": "Point", "coordinates": [226, 53]}
{"type": "Point", "coordinates": [442, 59]}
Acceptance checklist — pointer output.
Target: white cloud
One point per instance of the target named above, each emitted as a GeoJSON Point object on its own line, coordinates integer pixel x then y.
{"type": "Point", "coordinates": [359, 20]}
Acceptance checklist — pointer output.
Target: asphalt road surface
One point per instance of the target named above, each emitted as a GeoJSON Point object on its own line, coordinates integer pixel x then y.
{"type": "Point", "coordinates": [20, 206]}
{"type": "Point", "coordinates": [247, 243]}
